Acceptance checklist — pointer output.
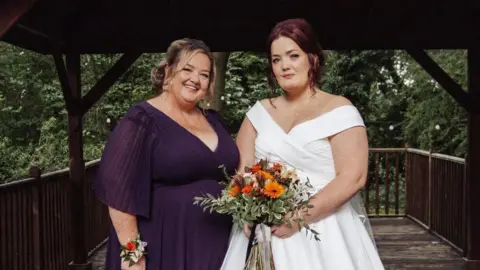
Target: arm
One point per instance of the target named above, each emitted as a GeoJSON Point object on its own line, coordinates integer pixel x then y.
{"type": "Point", "coordinates": [122, 180]}
{"type": "Point", "coordinates": [350, 154]}
{"type": "Point", "coordinates": [246, 144]}
{"type": "Point", "coordinates": [125, 225]}
{"type": "Point", "coordinates": [126, 228]}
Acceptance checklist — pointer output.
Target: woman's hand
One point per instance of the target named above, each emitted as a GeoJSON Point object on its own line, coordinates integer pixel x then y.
{"type": "Point", "coordinates": [284, 230]}
{"type": "Point", "coordinates": [247, 230]}
{"type": "Point", "coordinates": [140, 265]}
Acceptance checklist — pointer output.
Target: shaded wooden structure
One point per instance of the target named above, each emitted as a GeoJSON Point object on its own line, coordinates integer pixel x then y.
{"type": "Point", "coordinates": [76, 27]}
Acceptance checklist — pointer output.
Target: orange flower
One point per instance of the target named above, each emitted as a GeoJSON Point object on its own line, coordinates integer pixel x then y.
{"type": "Point", "coordinates": [234, 191]}
{"type": "Point", "coordinates": [266, 175]}
{"type": "Point", "coordinates": [273, 189]}
{"type": "Point", "coordinates": [277, 166]}
{"type": "Point", "coordinates": [256, 168]}
{"type": "Point", "coordinates": [247, 189]}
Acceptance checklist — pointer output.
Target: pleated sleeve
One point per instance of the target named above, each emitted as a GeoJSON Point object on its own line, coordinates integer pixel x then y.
{"type": "Point", "coordinates": [123, 179]}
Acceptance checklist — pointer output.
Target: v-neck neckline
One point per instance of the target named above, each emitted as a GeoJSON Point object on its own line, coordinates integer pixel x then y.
{"type": "Point", "coordinates": [212, 125]}
{"type": "Point", "coordinates": [299, 124]}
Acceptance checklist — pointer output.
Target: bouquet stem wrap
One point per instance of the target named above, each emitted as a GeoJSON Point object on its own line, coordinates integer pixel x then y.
{"type": "Point", "coordinates": [259, 250]}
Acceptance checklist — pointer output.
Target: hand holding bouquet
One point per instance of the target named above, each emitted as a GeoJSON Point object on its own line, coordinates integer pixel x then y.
{"type": "Point", "coordinates": [266, 195]}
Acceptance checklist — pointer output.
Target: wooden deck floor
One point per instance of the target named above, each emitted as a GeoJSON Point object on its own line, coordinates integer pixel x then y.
{"type": "Point", "coordinates": [402, 244]}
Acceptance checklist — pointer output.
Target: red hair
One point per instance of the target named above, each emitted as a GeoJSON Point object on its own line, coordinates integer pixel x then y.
{"type": "Point", "coordinates": [302, 33]}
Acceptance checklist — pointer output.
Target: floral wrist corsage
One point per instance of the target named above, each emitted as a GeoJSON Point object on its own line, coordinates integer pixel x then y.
{"type": "Point", "coordinates": [133, 251]}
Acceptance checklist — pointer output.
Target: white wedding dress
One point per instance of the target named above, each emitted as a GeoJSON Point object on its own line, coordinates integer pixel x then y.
{"type": "Point", "coordinates": [346, 240]}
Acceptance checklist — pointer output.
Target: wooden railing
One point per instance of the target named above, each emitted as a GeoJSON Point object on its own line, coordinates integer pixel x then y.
{"type": "Point", "coordinates": [384, 192]}
{"type": "Point", "coordinates": [436, 195]}
{"type": "Point", "coordinates": [35, 221]}
{"type": "Point", "coordinates": [35, 212]}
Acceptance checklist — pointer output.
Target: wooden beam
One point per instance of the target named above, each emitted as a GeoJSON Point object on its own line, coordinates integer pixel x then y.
{"type": "Point", "coordinates": [473, 161]}
{"type": "Point", "coordinates": [77, 168]}
{"type": "Point", "coordinates": [112, 75]}
{"type": "Point", "coordinates": [11, 11]}
{"type": "Point", "coordinates": [438, 74]}
{"type": "Point", "coordinates": [63, 78]}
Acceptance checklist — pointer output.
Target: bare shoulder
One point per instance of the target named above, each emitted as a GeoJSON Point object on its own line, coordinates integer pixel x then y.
{"type": "Point", "coordinates": [335, 101]}
{"type": "Point", "coordinates": [269, 103]}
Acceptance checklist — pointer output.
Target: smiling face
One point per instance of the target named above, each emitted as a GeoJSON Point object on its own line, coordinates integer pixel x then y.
{"type": "Point", "coordinates": [191, 80]}
{"type": "Point", "coordinates": [290, 64]}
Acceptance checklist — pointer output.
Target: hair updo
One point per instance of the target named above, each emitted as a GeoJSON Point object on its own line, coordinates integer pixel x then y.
{"type": "Point", "coordinates": [302, 33]}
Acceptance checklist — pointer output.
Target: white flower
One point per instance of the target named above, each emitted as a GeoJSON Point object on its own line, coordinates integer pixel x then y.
{"type": "Point", "coordinates": [222, 98]}
{"type": "Point", "coordinates": [108, 120]}
{"type": "Point", "coordinates": [391, 127]}
{"type": "Point", "coordinates": [138, 255]}
{"type": "Point", "coordinates": [437, 127]}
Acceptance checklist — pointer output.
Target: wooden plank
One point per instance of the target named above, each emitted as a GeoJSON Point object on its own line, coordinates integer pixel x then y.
{"type": "Point", "coordinates": [112, 75]}
{"type": "Point", "coordinates": [387, 183]}
{"type": "Point", "coordinates": [35, 173]}
{"type": "Point", "coordinates": [377, 185]}
{"type": "Point", "coordinates": [397, 186]}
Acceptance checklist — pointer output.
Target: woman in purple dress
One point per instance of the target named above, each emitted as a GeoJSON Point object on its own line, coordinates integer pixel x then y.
{"type": "Point", "coordinates": [161, 154]}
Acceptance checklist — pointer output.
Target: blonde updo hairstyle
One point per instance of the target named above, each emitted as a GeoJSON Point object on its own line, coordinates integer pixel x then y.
{"type": "Point", "coordinates": [178, 55]}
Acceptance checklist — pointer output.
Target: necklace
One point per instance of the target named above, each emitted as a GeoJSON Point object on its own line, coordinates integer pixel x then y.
{"type": "Point", "coordinates": [297, 113]}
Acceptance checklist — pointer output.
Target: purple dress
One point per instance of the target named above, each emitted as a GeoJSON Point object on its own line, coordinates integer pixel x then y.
{"type": "Point", "coordinates": [152, 167]}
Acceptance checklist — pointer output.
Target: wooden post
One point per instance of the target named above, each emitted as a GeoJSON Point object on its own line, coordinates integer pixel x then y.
{"type": "Point", "coordinates": [77, 166]}
{"type": "Point", "coordinates": [473, 161]}
{"type": "Point", "coordinates": [37, 234]}
{"type": "Point", "coordinates": [429, 190]}
{"type": "Point", "coordinates": [407, 178]}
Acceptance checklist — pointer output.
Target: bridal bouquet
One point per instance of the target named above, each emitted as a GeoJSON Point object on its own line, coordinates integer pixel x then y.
{"type": "Point", "coordinates": [262, 196]}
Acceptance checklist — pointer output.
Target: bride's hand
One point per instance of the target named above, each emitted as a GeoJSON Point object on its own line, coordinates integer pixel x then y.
{"type": "Point", "coordinates": [247, 230]}
{"type": "Point", "coordinates": [284, 230]}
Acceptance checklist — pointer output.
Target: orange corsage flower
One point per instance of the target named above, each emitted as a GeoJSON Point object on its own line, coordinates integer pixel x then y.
{"type": "Point", "coordinates": [273, 189]}
{"type": "Point", "coordinates": [131, 246]}
{"type": "Point", "coordinates": [234, 191]}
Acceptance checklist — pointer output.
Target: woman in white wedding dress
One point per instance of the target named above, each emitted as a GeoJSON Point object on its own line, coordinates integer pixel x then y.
{"type": "Point", "coordinates": [321, 135]}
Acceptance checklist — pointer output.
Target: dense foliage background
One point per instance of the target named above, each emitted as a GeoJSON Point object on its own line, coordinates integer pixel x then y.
{"type": "Point", "coordinates": [399, 101]}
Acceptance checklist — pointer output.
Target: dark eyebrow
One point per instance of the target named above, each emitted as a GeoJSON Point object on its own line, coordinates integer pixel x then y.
{"type": "Point", "coordinates": [288, 52]}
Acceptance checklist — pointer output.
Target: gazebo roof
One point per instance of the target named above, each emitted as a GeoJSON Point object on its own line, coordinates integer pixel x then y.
{"type": "Point", "coordinates": [106, 26]}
